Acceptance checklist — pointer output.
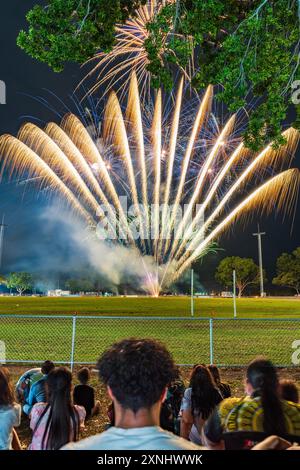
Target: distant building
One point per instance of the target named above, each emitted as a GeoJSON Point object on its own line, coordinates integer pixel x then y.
{"type": "Point", "coordinates": [58, 293]}
{"type": "Point", "coordinates": [226, 294]}
{"type": "Point", "coordinates": [2, 92]}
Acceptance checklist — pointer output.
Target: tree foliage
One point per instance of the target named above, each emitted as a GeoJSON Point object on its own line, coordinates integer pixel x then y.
{"type": "Point", "coordinates": [21, 281]}
{"type": "Point", "coordinates": [250, 48]}
{"type": "Point", "coordinates": [73, 30]}
{"type": "Point", "coordinates": [247, 273]}
{"type": "Point", "coordinates": [288, 270]}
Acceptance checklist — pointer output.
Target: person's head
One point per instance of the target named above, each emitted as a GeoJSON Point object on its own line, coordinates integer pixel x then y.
{"type": "Point", "coordinates": [137, 373]}
{"type": "Point", "coordinates": [215, 373]}
{"type": "Point", "coordinates": [288, 390]}
{"type": "Point", "coordinates": [203, 391]}
{"type": "Point", "coordinates": [63, 420]}
{"type": "Point", "coordinates": [84, 375]}
{"type": "Point", "coordinates": [47, 367]}
{"type": "Point", "coordinates": [262, 380]}
{"type": "Point", "coordinates": [7, 397]}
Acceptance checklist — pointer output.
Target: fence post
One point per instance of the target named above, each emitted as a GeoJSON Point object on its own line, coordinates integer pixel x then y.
{"type": "Point", "coordinates": [73, 343]}
{"type": "Point", "coordinates": [211, 341]}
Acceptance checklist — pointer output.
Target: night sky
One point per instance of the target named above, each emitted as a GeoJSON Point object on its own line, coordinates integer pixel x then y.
{"type": "Point", "coordinates": [26, 237]}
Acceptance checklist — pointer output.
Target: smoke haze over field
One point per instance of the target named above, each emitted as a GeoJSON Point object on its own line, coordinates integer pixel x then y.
{"type": "Point", "coordinates": [67, 248]}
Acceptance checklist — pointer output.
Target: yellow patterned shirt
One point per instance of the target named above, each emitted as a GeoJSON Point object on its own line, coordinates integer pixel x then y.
{"type": "Point", "coordinates": [246, 414]}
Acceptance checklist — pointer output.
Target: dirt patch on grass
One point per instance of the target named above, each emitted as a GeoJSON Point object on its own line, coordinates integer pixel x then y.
{"type": "Point", "coordinates": [234, 376]}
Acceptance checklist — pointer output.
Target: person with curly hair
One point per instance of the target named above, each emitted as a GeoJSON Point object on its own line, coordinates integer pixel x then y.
{"type": "Point", "coordinates": [137, 373]}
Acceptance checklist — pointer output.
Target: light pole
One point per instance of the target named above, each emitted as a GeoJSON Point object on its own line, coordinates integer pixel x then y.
{"type": "Point", "coordinates": [234, 293]}
{"type": "Point", "coordinates": [259, 234]}
{"type": "Point", "coordinates": [192, 292]}
{"type": "Point", "coordinates": [2, 226]}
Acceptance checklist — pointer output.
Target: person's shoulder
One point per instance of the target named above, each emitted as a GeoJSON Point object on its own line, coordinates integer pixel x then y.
{"type": "Point", "coordinates": [170, 441]}
{"type": "Point", "coordinates": [39, 382]}
{"type": "Point", "coordinates": [163, 440]}
{"type": "Point", "coordinates": [291, 406]}
{"type": "Point", "coordinates": [83, 387]}
{"type": "Point", "coordinates": [188, 392]}
{"type": "Point", "coordinates": [14, 408]}
{"type": "Point", "coordinates": [232, 401]}
{"type": "Point", "coordinates": [229, 403]}
{"type": "Point", "coordinates": [96, 442]}
{"type": "Point", "coordinates": [38, 407]}
{"type": "Point", "coordinates": [17, 407]}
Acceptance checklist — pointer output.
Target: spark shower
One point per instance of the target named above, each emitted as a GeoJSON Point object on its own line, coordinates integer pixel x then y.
{"type": "Point", "coordinates": [161, 157]}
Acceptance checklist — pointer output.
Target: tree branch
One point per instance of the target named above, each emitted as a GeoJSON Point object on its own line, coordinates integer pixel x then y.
{"type": "Point", "coordinates": [255, 13]}
{"type": "Point", "coordinates": [84, 19]}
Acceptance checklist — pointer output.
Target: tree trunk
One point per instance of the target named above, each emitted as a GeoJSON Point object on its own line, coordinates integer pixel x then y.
{"type": "Point", "coordinates": [241, 289]}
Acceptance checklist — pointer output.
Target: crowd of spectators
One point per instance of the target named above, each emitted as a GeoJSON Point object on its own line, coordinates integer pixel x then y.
{"type": "Point", "coordinates": [151, 407]}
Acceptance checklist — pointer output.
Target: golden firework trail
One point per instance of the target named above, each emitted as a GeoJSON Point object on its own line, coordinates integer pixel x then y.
{"type": "Point", "coordinates": [175, 163]}
{"type": "Point", "coordinates": [129, 54]}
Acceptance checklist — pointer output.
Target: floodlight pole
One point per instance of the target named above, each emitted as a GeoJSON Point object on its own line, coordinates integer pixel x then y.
{"type": "Point", "coordinates": [259, 234]}
{"type": "Point", "coordinates": [234, 293]}
{"type": "Point", "coordinates": [2, 227]}
{"type": "Point", "coordinates": [192, 292]}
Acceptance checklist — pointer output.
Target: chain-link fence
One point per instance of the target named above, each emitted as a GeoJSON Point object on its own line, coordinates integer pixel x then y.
{"type": "Point", "coordinates": [81, 339]}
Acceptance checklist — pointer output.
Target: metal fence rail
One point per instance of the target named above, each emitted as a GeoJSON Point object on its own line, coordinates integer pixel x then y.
{"type": "Point", "coordinates": [81, 339]}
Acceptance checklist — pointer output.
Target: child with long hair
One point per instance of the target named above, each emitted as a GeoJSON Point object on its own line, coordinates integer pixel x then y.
{"type": "Point", "coordinates": [199, 401]}
{"type": "Point", "coordinates": [57, 422]}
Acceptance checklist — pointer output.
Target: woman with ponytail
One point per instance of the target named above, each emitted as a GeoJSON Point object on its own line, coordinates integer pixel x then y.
{"type": "Point", "coordinates": [261, 411]}
{"type": "Point", "coordinates": [262, 383]}
{"type": "Point", "coordinates": [58, 421]}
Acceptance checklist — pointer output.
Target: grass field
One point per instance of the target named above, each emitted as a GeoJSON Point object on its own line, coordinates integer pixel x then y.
{"type": "Point", "coordinates": [162, 306]}
{"type": "Point", "coordinates": [235, 342]}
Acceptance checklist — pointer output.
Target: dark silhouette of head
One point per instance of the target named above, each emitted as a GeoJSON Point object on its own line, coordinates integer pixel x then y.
{"type": "Point", "coordinates": [288, 390]}
{"type": "Point", "coordinates": [84, 375]}
{"type": "Point", "coordinates": [47, 366]}
{"type": "Point", "coordinates": [137, 371]}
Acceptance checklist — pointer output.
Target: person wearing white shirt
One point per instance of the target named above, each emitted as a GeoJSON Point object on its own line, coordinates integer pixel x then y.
{"type": "Point", "coordinates": [137, 374]}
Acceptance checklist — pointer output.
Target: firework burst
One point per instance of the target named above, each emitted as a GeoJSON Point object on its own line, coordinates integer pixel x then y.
{"type": "Point", "coordinates": [129, 54]}
{"type": "Point", "coordinates": [176, 162]}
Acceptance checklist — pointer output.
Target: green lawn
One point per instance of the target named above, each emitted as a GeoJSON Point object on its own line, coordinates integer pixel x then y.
{"type": "Point", "coordinates": [162, 306]}
{"type": "Point", "coordinates": [235, 342]}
